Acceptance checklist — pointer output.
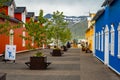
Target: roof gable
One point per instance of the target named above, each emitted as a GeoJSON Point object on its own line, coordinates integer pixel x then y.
{"type": "Point", "coordinates": [30, 14]}
{"type": "Point", "coordinates": [98, 14]}
{"type": "Point", "coordinates": [20, 9]}
{"type": "Point", "coordinates": [8, 3]}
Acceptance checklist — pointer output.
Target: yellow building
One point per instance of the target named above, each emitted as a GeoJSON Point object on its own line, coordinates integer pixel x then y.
{"type": "Point", "coordinates": [89, 34]}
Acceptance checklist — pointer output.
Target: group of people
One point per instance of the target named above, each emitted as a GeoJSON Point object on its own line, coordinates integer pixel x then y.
{"type": "Point", "coordinates": [64, 48]}
{"type": "Point", "coordinates": [85, 47]}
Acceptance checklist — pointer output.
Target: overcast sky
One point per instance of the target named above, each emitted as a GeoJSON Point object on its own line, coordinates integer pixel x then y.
{"type": "Point", "coordinates": [68, 7]}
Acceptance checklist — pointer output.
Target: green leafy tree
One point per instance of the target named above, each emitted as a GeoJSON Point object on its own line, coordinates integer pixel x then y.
{"type": "Point", "coordinates": [2, 2]}
{"type": "Point", "coordinates": [37, 30]}
{"type": "Point", "coordinates": [59, 29]}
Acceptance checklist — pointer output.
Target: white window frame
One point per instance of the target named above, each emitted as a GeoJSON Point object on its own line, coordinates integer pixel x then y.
{"type": "Point", "coordinates": [112, 39]}
{"type": "Point", "coordinates": [102, 40]}
{"type": "Point", "coordinates": [96, 40]}
{"type": "Point", "coordinates": [99, 41]}
{"type": "Point", "coordinates": [11, 39]}
{"type": "Point", "coordinates": [23, 40]}
{"type": "Point", "coordinates": [119, 41]}
{"type": "Point", "coordinates": [24, 17]}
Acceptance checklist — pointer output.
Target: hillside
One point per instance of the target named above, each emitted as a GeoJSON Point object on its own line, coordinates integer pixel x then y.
{"type": "Point", "coordinates": [78, 29]}
{"type": "Point", "coordinates": [77, 25]}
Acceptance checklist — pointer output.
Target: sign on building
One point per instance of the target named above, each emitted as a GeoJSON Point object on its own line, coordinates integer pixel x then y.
{"type": "Point", "coordinates": [10, 52]}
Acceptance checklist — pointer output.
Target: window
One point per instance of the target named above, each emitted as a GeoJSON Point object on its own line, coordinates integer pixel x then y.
{"type": "Point", "coordinates": [11, 37]}
{"type": "Point", "coordinates": [101, 40]}
{"type": "Point", "coordinates": [119, 41]}
{"type": "Point", "coordinates": [96, 41]}
{"type": "Point", "coordinates": [112, 39]}
{"type": "Point", "coordinates": [23, 40]}
{"type": "Point", "coordinates": [24, 17]}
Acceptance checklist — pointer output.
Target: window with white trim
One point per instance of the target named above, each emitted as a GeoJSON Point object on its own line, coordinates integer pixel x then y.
{"type": "Point", "coordinates": [102, 40]}
{"type": "Point", "coordinates": [96, 41]}
{"type": "Point", "coordinates": [119, 41]}
{"type": "Point", "coordinates": [112, 39]}
{"type": "Point", "coordinates": [99, 41]}
{"type": "Point", "coordinates": [23, 40]}
{"type": "Point", "coordinates": [11, 40]}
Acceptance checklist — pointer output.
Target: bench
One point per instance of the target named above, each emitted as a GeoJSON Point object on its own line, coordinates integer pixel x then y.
{"type": "Point", "coordinates": [37, 63]}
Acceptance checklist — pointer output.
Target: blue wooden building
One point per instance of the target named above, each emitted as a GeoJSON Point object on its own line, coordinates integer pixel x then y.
{"type": "Point", "coordinates": [107, 34]}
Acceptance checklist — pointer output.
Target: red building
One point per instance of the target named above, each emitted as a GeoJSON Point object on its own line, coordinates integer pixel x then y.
{"type": "Point", "coordinates": [4, 37]}
{"type": "Point", "coordinates": [20, 14]}
{"type": "Point", "coordinates": [16, 15]}
{"type": "Point", "coordinates": [29, 16]}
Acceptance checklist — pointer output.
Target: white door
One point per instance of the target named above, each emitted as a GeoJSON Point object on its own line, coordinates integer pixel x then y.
{"type": "Point", "coordinates": [106, 55]}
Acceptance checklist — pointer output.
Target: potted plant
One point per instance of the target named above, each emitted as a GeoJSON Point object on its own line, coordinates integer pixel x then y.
{"type": "Point", "coordinates": [37, 33]}
{"type": "Point", "coordinates": [59, 31]}
{"type": "Point", "coordinates": [38, 61]}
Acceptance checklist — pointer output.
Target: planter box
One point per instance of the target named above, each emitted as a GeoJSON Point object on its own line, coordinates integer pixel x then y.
{"type": "Point", "coordinates": [2, 76]}
{"type": "Point", "coordinates": [38, 63]}
{"type": "Point", "coordinates": [56, 52]}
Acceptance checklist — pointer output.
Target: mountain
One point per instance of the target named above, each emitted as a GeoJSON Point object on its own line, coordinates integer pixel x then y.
{"type": "Point", "coordinates": [77, 25]}
{"type": "Point", "coordinates": [69, 19]}
{"type": "Point", "coordinates": [48, 16]}
{"type": "Point", "coordinates": [78, 29]}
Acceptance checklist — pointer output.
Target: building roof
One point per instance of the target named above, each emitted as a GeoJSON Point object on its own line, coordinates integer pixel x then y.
{"type": "Point", "coordinates": [14, 20]}
{"type": "Point", "coordinates": [98, 14]}
{"type": "Point", "coordinates": [30, 14]}
{"type": "Point", "coordinates": [9, 18]}
{"type": "Point", "coordinates": [20, 9]}
{"type": "Point", "coordinates": [107, 2]}
{"type": "Point", "coordinates": [8, 3]}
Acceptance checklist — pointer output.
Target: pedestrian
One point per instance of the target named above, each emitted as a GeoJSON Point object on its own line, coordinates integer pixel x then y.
{"type": "Point", "coordinates": [68, 45]}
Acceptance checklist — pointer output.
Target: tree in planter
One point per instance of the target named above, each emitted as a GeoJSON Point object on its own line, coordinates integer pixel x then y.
{"type": "Point", "coordinates": [37, 31]}
{"type": "Point", "coordinates": [59, 30]}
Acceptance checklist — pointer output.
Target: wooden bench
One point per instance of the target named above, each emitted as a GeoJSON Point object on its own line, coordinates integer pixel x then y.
{"type": "Point", "coordinates": [37, 63]}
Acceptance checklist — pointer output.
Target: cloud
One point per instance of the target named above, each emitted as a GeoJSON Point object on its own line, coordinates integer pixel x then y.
{"type": "Point", "coordinates": [68, 7]}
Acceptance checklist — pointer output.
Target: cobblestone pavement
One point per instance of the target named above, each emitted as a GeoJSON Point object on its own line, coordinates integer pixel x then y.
{"type": "Point", "coordinates": [73, 65]}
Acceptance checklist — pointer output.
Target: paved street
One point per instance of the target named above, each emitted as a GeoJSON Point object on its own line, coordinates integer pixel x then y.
{"type": "Point", "coordinates": [73, 65]}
